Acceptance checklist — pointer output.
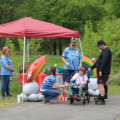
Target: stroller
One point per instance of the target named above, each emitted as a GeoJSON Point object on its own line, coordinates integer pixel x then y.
{"type": "Point", "coordinates": [75, 90]}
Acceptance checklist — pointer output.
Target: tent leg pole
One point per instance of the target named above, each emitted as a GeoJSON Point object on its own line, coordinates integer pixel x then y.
{"type": "Point", "coordinates": [80, 46]}
{"type": "Point", "coordinates": [23, 66]}
{"type": "Point", "coordinates": [28, 48]}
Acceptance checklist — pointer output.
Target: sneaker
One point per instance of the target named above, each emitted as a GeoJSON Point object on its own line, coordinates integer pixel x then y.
{"type": "Point", "coordinates": [96, 98]}
{"type": "Point", "coordinates": [106, 98]}
{"type": "Point", "coordinates": [5, 97]}
{"type": "Point", "coordinates": [78, 99]}
{"type": "Point", "coordinates": [100, 102]}
{"type": "Point", "coordinates": [82, 99]}
{"type": "Point", "coordinates": [9, 95]}
{"type": "Point", "coordinates": [46, 102]}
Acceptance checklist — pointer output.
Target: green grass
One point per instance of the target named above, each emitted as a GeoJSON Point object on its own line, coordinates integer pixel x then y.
{"type": "Point", "coordinates": [8, 101]}
{"type": "Point", "coordinates": [118, 118]}
{"type": "Point", "coordinates": [113, 89]}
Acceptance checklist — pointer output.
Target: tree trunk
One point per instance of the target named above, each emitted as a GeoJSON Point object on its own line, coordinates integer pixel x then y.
{"type": "Point", "coordinates": [103, 2]}
{"type": "Point", "coordinates": [50, 47]}
{"type": "Point", "coordinates": [68, 41]}
{"type": "Point", "coordinates": [54, 48]}
{"type": "Point", "coordinates": [60, 47]}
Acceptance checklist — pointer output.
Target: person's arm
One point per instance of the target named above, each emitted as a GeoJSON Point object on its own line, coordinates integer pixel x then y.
{"type": "Point", "coordinates": [63, 59]}
{"type": "Point", "coordinates": [60, 86]}
{"type": "Point", "coordinates": [9, 68]}
{"type": "Point", "coordinates": [80, 57]}
{"type": "Point", "coordinates": [105, 55]}
{"type": "Point", "coordinates": [5, 63]}
{"type": "Point", "coordinates": [85, 81]}
{"type": "Point", "coordinates": [86, 78]}
{"type": "Point", "coordinates": [92, 67]}
{"type": "Point", "coordinates": [64, 55]}
{"type": "Point", "coordinates": [73, 79]}
{"type": "Point", "coordinates": [80, 63]}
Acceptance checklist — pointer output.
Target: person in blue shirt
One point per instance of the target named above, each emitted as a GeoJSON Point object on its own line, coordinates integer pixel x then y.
{"type": "Point", "coordinates": [46, 87]}
{"type": "Point", "coordinates": [72, 61]}
{"type": "Point", "coordinates": [6, 71]}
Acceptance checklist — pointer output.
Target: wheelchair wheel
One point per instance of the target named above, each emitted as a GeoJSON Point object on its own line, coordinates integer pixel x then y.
{"type": "Point", "coordinates": [71, 100]}
{"type": "Point", "coordinates": [88, 99]}
{"type": "Point", "coordinates": [84, 99]}
{"type": "Point", "coordinates": [84, 102]}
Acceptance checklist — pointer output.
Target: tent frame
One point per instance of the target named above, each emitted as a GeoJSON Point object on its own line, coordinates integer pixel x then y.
{"type": "Point", "coordinates": [28, 57]}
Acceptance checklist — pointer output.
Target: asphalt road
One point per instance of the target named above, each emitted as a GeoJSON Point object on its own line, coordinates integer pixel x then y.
{"type": "Point", "coordinates": [61, 110]}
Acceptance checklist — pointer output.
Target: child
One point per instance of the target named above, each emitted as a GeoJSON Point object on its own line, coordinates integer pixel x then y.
{"type": "Point", "coordinates": [80, 79]}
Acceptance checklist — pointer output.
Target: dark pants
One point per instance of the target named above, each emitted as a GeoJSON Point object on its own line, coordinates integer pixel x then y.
{"type": "Point", "coordinates": [50, 94]}
{"type": "Point", "coordinates": [5, 84]}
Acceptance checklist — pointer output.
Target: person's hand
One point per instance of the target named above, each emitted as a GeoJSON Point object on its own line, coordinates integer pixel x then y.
{"type": "Point", "coordinates": [82, 84]}
{"type": "Point", "coordinates": [76, 77]}
{"type": "Point", "coordinates": [67, 63]}
{"type": "Point", "coordinates": [80, 65]}
{"type": "Point", "coordinates": [66, 85]}
{"type": "Point", "coordinates": [89, 69]}
{"type": "Point", "coordinates": [13, 70]}
{"type": "Point", "coordinates": [100, 73]}
{"type": "Point", "coordinates": [109, 75]}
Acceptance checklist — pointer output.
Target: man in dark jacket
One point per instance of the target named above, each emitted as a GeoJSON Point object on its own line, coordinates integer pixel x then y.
{"type": "Point", "coordinates": [103, 65]}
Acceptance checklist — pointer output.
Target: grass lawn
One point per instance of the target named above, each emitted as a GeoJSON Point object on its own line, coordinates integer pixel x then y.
{"type": "Point", "coordinates": [114, 89]}
{"type": "Point", "coordinates": [118, 118]}
{"type": "Point", "coordinates": [8, 101]}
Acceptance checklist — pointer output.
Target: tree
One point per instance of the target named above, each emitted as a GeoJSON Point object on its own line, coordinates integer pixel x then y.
{"type": "Point", "coordinates": [109, 32]}
{"type": "Point", "coordinates": [71, 14]}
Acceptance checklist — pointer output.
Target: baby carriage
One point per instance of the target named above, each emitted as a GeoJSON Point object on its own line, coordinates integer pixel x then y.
{"type": "Point", "coordinates": [85, 95]}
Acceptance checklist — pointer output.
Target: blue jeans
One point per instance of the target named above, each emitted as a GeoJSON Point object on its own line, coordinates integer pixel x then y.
{"type": "Point", "coordinates": [5, 85]}
{"type": "Point", "coordinates": [50, 94]}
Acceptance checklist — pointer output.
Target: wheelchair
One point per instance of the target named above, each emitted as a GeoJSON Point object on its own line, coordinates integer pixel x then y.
{"type": "Point", "coordinates": [85, 95]}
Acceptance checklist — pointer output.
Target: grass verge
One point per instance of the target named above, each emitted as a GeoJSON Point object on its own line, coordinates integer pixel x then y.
{"type": "Point", "coordinates": [5, 102]}
{"type": "Point", "coordinates": [118, 118]}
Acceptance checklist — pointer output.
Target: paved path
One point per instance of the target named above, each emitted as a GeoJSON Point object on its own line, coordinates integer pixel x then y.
{"type": "Point", "coordinates": [60, 110]}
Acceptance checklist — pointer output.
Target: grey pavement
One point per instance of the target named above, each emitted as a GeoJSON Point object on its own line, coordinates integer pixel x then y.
{"type": "Point", "coordinates": [61, 110]}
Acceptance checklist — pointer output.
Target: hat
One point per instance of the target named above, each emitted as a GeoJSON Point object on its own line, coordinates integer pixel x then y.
{"type": "Point", "coordinates": [100, 42]}
{"type": "Point", "coordinates": [73, 42]}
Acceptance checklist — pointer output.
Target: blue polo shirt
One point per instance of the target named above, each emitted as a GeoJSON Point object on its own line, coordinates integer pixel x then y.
{"type": "Point", "coordinates": [5, 60]}
{"type": "Point", "coordinates": [73, 57]}
{"type": "Point", "coordinates": [48, 82]}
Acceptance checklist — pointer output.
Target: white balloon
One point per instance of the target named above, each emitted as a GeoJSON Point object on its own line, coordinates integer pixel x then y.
{"type": "Point", "coordinates": [33, 98]}
{"type": "Point", "coordinates": [93, 84]}
{"type": "Point", "coordinates": [30, 88]}
{"type": "Point", "coordinates": [40, 96]}
{"type": "Point", "coordinates": [25, 97]}
{"type": "Point", "coordinates": [97, 92]}
{"type": "Point", "coordinates": [93, 93]}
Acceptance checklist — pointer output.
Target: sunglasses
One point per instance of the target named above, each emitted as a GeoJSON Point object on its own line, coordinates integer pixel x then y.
{"type": "Point", "coordinates": [74, 45]}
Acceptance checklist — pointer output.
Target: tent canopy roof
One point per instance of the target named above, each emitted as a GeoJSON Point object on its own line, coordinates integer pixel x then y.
{"type": "Point", "coordinates": [28, 27]}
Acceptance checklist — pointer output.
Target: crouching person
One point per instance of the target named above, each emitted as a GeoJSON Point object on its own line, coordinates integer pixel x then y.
{"type": "Point", "coordinates": [46, 87]}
